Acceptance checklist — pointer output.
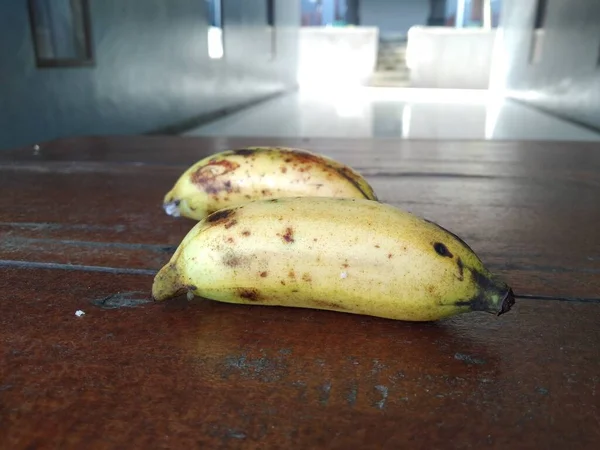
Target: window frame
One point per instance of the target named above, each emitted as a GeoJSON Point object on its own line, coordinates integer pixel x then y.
{"type": "Point", "coordinates": [272, 27]}
{"type": "Point", "coordinates": [42, 62]}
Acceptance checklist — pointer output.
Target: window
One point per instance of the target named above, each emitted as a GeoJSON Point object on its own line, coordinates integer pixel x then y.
{"type": "Point", "coordinates": [271, 26]}
{"type": "Point", "coordinates": [61, 32]}
{"type": "Point", "coordinates": [216, 48]}
{"type": "Point", "coordinates": [329, 12]}
{"type": "Point", "coordinates": [483, 14]}
{"type": "Point", "coordinates": [540, 14]}
{"type": "Point", "coordinates": [537, 38]}
{"type": "Point", "coordinates": [271, 13]}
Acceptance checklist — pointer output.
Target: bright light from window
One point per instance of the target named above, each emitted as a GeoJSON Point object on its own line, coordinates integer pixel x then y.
{"type": "Point", "coordinates": [215, 42]}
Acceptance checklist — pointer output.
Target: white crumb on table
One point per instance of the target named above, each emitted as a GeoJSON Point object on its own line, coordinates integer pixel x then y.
{"type": "Point", "coordinates": [79, 313]}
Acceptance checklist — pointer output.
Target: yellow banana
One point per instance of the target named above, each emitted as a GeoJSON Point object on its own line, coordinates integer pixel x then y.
{"type": "Point", "coordinates": [234, 177]}
{"type": "Point", "coordinates": [352, 255]}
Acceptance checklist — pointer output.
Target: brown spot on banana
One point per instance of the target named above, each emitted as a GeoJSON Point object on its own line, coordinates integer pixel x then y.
{"type": "Point", "coordinates": [210, 176]}
{"type": "Point", "coordinates": [460, 265]}
{"type": "Point", "coordinates": [459, 239]}
{"type": "Point", "coordinates": [249, 294]}
{"type": "Point", "coordinates": [219, 216]}
{"type": "Point", "coordinates": [233, 259]}
{"type": "Point", "coordinates": [442, 250]}
{"type": "Point", "coordinates": [288, 237]}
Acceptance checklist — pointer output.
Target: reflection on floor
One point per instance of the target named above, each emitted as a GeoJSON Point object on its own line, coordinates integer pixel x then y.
{"type": "Point", "coordinates": [395, 113]}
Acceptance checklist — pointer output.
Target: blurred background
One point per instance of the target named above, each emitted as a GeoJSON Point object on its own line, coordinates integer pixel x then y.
{"type": "Point", "coordinates": [412, 69]}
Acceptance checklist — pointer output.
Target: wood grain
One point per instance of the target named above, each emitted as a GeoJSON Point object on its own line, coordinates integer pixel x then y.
{"type": "Point", "coordinates": [219, 375]}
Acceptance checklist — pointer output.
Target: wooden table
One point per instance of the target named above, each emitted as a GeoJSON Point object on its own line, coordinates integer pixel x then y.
{"type": "Point", "coordinates": [82, 228]}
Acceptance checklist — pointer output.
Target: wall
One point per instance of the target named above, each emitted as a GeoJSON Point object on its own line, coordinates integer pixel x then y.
{"type": "Point", "coordinates": [566, 80]}
{"type": "Point", "coordinates": [450, 58]}
{"type": "Point", "coordinates": [393, 17]}
{"type": "Point", "coordinates": [152, 68]}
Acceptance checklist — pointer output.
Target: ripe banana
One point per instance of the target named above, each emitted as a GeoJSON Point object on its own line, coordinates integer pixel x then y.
{"type": "Point", "coordinates": [352, 255]}
{"type": "Point", "coordinates": [234, 177]}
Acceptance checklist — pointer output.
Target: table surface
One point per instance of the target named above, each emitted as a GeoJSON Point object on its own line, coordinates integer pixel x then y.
{"type": "Point", "coordinates": [82, 228]}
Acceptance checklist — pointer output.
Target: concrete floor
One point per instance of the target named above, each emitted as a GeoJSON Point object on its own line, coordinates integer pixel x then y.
{"type": "Point", "coordinates": [395, 113]}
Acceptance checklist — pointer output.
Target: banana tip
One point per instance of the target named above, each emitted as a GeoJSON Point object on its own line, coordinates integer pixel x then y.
{"type": "Point", "coordinates": [507, 302]}
{"type": "Point", "coordinates": [172, 208]}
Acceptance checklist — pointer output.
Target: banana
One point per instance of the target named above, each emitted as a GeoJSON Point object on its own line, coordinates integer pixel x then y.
{"type": "Point", "coordinates": [350, 255]}
{"type": "Point", "coordinates": [234, 177]}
